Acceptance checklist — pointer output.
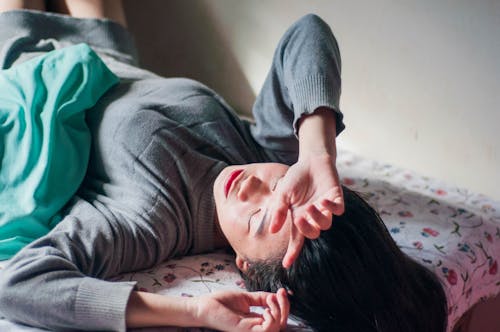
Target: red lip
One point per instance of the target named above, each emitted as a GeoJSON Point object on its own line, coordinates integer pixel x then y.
{"type": "Point", "coordinates": [230, 180]}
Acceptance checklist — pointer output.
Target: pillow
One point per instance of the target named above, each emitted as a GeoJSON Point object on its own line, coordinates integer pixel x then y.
{"type": "Point", "coordinates": [44, 140]}
{"type": "Point", "coordinates": [452, 231]}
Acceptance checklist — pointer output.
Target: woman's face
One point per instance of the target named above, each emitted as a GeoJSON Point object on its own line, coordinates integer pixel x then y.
{"type": "Point", "coordinates": [243, 196]}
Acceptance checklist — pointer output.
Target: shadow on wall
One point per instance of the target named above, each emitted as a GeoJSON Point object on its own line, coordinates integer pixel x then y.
{"type": "Point", "coordinates": [179, 39]}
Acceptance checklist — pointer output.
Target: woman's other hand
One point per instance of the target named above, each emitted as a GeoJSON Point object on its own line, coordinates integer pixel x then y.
{"type": "Point", "coordinates": [311, 190]}
{"type": "Point", "coordinates": [230, 311]}
{"type": "Point", "coordinates": [224, 311]}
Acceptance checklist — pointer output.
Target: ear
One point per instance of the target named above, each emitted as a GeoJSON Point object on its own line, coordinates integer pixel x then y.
{"type": "Point", "coordinates": [241, 264]}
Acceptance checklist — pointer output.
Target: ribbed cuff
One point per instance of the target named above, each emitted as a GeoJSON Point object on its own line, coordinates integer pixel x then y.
{"type": "Point", "coordinates": [101, 305]}
{"type": "Point", "coordinates": [316, 91]}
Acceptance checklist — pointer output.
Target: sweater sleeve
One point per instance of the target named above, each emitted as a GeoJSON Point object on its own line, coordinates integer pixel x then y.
{"type": "Point", "coordinates": [305, 75]}
{"type": "Point", "coordinates": [57, 282]}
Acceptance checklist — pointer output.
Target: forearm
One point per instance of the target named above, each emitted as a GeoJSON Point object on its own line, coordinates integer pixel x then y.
{"type": "Point", "coordinates": [147, 309]}
{"type": "Point", "coordinates": [317, 132]}
{"type": "Point", "coordinates": [311, 70]}
{"type": "Point", "coordinates": [305, 76]}
{"type": "Point", "coordinates": [71, 261]}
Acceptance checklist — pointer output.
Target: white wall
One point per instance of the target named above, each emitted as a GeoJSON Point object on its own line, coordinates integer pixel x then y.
{"type": "Point", "coordinates": [421, 79]}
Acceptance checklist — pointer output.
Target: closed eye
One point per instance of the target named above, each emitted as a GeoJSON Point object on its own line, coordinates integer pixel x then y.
{"type": "Point", "coordinates": [276, 183]}
{"type": "Point", "coordinates": [250, 219]}
{"type": "Point", "coordinates": [257, 211]}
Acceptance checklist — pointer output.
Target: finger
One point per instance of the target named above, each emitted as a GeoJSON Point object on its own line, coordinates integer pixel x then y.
{"type": "Point", "coordinates": [339, 205]}
{"type": "Point", "coordinates": [284, 305]}
{"type": "Point", "coordinates": [268, 320]}
{"type": "Point", "coordinates": [335, 200]}
{"type": "Point", "coordinates": [279, 213]}
{"type": "Point", "coordinates": [294, 246]}
{"type": "Point", "coordinates": [307, 228]}
{"type": "Point", "coordinates": [253, 323]}
{"type": "Point", "coordinates": [273, 305]}
{"type": "Point", "coordinates": [318, 218]}
{"type": "Point", "coordinates": [328, 205]}
{"type": "Point", "coordinates": [257, 298]}
{"type": "Point", "coordinates": [334, 207]}
{"type": "Point", "coordinates": [252, 314]}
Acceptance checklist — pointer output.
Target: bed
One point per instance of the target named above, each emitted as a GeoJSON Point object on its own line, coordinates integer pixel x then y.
{"type": "Point", "coordinates": [453, 231]}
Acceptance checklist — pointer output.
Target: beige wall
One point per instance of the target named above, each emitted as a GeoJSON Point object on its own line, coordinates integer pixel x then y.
{"type": "Point", "coordinates": [421, 79]}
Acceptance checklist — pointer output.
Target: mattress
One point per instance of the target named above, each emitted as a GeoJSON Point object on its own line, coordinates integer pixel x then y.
{"type": "Point", "coordinates": [451, 230]}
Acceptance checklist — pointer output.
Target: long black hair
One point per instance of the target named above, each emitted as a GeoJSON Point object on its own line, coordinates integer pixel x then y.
{"type": "Point", "coordinates": [355, 278]}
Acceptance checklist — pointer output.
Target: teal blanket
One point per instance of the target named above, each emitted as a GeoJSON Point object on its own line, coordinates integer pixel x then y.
{"type": "Point", "coordinates": [44, 140]}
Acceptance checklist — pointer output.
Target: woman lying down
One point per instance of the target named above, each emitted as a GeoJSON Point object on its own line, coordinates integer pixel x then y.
{"type": "Point", "coordinates": [173, 171]}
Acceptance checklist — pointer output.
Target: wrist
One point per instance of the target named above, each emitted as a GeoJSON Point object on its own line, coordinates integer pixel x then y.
{"type": "Point", "coordinates": [147, 309]}
{"type": "Point", "coordinates": [195, 312]}
{"type": "Point", "coordinates": [317, 133]}
{"type": "Point", "coordinates": [317, 156]}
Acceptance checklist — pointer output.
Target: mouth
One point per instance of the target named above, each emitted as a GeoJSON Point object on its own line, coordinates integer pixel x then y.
{"type": "Point", "coordinates": [231, 179]}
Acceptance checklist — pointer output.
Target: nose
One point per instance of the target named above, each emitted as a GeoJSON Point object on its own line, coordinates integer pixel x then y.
{"type": "Point", "coordinates": [252, 188]}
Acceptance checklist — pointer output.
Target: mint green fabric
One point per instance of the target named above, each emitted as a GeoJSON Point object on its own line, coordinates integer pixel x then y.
{"type": "Point", "coordinates": [44, 139]}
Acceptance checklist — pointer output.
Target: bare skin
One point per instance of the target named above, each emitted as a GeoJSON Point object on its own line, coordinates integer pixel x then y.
{"type": "Point", "coordinates": [6, 5]}
{"type": "Point", "coordinates": [112, 10]}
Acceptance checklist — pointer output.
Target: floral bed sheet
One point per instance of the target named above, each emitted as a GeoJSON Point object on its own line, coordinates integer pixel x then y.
{"type": "Point", "coordinates": [454, 232]}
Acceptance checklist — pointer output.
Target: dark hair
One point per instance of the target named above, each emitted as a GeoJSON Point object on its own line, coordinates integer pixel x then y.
{"type": "Point", "coordinates": [355, 278]}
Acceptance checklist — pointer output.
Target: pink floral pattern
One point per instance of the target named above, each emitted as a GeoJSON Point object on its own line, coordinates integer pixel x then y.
{"type": "Point", "coordinates": [189, 276]}
{"type": "Point", "coordinates": [454, 232]}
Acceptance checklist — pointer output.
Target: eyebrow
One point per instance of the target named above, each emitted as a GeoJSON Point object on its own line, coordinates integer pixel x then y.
{"type": "Point", "coordinates": [263, 220]}
{"type": "Point", "coordinates": [261, 225]}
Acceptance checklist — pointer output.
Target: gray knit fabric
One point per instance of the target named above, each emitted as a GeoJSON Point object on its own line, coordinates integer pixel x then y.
{"type": "Point", "coordinates": [158, 145]}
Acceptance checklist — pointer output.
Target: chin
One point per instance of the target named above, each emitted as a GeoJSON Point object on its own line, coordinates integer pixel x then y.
{"type": "Point", "coordinates": [218, 189]}
{"type": "Point", "coordinates": [220, 182]}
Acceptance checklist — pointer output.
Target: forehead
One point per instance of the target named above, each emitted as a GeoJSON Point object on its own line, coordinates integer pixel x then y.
{"type": "Point", "coordinates": [270, 246]}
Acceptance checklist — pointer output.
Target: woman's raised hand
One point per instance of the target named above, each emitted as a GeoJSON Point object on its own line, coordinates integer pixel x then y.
{"type": "Point", "coordinates": [312, 193]}
{"type": "Point", "coordinates": [311, 190]}
{"type": "Point", "coordinates": [230, 311]}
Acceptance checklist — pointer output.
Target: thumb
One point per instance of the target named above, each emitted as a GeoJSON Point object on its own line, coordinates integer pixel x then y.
{"type": "Point", "coordinates": [279, 212]}
{"type": "Point", "coordinates": [294, 247]}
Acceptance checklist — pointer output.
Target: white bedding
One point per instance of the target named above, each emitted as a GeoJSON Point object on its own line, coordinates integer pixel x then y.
{"type": "Point", "coordinates": [455, 232]}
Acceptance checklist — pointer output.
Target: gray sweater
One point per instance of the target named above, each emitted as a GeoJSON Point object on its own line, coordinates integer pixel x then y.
{"type": "Point", "coordinates": [158, 145]}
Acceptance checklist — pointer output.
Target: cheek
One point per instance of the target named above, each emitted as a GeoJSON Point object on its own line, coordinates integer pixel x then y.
{"type": "Point", "coordinates": [231, 224]}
